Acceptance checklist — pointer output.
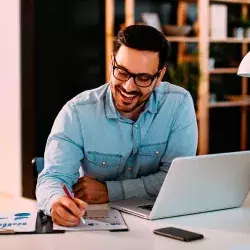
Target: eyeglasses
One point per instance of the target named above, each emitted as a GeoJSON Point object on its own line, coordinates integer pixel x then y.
{"type": "Point", "coordinates": [141, 80]}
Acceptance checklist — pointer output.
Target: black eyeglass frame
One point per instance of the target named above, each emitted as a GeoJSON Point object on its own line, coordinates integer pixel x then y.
{"type": "Point", "coordinates": [151, 77]}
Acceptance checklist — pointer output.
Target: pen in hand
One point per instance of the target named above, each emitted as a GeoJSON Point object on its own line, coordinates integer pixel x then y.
{"type": "Point", "coordinates": [70, 197]}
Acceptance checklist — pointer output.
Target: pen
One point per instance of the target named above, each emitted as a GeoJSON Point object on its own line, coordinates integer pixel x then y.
{"type": "Point", "coordinates": [70, 197]}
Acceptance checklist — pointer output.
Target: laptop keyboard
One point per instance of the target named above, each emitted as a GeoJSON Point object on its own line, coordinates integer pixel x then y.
{"type": "Point", "coordinates": [147, 207]}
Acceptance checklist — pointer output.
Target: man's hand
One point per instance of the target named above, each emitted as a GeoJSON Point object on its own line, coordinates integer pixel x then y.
{"type": "Point", "coordinates": [91, 190]}
{"type": "Point", "coordinates": [65, 212]}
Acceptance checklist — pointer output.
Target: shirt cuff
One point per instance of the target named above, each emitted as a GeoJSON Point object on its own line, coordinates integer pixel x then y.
{"type": "Point", "coordinates": [115, 190]}
{"type": "Point", "coordinates": [48, 206]}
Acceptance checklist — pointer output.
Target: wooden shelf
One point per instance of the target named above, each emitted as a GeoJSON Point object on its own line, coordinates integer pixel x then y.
{"type": "Point", "coordinates": [230, 40]}
{"type": "Point", "coordinates": [237, 97]}
{"type": "Point", "coordinates": [183, 39]}
{"type": "Point", "coordinates": [229, 104]}
{"type": "Point", "coordinates": [231, 1]}
{"type": "Point", "coordinates": [224, 71]}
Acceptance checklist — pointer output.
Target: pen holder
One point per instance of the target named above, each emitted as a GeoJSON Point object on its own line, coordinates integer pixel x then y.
{"type": "Point", "coordinates": [44, 224]}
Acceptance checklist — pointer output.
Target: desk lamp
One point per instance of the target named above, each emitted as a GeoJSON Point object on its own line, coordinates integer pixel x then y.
{"type": "Point", "coordinates": [244, 68]}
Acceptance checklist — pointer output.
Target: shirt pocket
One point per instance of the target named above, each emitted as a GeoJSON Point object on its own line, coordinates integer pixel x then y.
{"type": "Point", "coordinates": [149, 157]}
{"type": "Point", "coordinates": [102, 166]}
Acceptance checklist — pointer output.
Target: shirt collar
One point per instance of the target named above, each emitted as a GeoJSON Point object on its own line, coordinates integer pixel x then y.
{"type": "Point", "coordinates": [109, 105]}
{"type": "Point", "coordinates": [151, 106]}
{"type": "Point", "coordinates": [111, 111]}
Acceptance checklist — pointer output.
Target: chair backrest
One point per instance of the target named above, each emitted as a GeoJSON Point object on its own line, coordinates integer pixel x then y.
{"type": "Point", "coordinates": [38, 164]}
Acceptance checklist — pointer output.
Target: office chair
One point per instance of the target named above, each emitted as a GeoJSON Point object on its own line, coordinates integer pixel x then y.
{"type": "Point", "coordinates": [37, 164]}
{"type": "Point", "coordinates": [37, 167]}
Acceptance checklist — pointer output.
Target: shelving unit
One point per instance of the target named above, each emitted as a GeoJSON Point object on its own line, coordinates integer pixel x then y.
{"type": "Point", "coordinates": [229, 104]}
{"type": "Point", "coordinates": [203, 41]}
{"type": "Point", "coordinates": [182, 39]}
{"type": "Point", "coordinates": [230, 40]}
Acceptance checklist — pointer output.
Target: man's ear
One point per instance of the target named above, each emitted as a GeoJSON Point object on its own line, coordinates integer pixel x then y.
{"type": "Point", "coordinates": [163, 71]}
{"type": "Point", "coordinates": [111, 63]}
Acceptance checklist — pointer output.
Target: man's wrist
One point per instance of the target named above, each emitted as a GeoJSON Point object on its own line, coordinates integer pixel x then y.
{"type": "Point", "coordinates": [115, 190]}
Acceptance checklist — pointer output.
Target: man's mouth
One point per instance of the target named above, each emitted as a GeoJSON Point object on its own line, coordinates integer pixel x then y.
{"type": "Point", "coordinates": [127, 97]}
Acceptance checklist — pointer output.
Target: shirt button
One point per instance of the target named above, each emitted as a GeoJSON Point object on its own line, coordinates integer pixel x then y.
{"type": "Point", "coordinates": [129, 168]}
{"type": "Point", "coordinates": [136, 126]}
{"type": "Point", "coordinates": [157, 152]}
{"type": "Point", "coordinates": [103, 163]}
{"type": "Point", "coordinates": [136, 150]}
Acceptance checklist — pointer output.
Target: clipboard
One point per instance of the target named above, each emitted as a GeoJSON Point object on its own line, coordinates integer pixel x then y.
{"type": "Point", "coordinates": [43, 225]}
{"type": "Point", "coordinates": [108, 219]}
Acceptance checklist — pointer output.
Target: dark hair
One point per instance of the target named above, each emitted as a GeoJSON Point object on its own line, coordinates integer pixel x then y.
{"type": "Point", "coordinates": [143, 37]}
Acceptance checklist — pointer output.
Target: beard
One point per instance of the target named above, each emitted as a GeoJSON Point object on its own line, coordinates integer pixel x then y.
{"type": "Point", "coordinates": [128, 102]}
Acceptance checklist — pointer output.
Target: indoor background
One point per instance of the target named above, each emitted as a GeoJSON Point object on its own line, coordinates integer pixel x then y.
{"type": "Point", "coordinates": [51, 50]}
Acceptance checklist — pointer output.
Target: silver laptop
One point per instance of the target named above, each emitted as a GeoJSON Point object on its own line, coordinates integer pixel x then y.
{"type": "Point", "coordinates": [196, 184]}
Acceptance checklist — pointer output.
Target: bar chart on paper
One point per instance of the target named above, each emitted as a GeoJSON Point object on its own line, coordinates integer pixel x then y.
{"type": "Point", "coordinates": [18, 222]}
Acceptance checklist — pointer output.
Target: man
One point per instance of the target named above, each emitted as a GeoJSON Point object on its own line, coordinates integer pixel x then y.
{"type": "Point", "coordinates": [124, 134]}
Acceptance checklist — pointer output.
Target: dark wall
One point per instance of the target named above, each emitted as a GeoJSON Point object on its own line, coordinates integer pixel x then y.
{"type": "Point", "coordinates": [68, 57]}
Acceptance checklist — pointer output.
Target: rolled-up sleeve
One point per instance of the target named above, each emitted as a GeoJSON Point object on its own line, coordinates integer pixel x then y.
{"type": "Point", "coordinates": [62, 159]}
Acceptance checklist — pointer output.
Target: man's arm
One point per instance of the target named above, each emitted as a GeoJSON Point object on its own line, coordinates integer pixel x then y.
{"type": "Point", "coordinates": [182, 142]}
{"type": "Point", "coordinates": [63, 155]}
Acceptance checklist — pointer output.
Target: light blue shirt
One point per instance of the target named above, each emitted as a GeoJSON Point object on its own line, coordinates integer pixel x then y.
{"type": "Point", "coordinates": [131, 157]}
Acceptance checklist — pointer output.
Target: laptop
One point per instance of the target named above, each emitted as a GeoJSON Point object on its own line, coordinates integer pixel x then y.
{"type": "Point", "coordinates": [194, 185]}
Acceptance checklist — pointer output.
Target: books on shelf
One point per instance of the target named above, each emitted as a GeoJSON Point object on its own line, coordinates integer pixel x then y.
{"type": "Point", "coordinates": [218, 21]}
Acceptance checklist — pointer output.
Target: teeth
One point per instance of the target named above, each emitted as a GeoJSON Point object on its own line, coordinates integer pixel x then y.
{"type": "Point", "coordinates": [129, 96]}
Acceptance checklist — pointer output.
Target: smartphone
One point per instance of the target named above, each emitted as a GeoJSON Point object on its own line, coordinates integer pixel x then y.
{"type": "Point", "coordinates": [178, 234]}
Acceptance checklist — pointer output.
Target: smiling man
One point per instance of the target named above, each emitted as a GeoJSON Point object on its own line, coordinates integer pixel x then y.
{"type": "Point", "coordinates": [124, 134]}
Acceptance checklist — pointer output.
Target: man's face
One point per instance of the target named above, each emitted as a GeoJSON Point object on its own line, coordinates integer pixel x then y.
{"type": "Point", "coordinates": [126, 94]}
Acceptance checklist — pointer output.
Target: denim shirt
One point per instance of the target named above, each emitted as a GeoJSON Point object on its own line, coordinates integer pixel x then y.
{"type": "Point", "coordinates": [131, 157]}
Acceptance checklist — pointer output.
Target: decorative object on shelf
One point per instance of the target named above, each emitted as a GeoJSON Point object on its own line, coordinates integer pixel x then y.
{"type": "Point", "coordinates": [244, 68]}
{"type": "Point", "coordinates": [218, 21]}
{"type": "Point", "coordinates": [238, 32]}
{"type": "Point", "coordinates": [174, 30]}
{"type": "Point", "coordinates": [211, 63]}
{"type": "Point", "coordinates": [213, 98]}
{"type": "Point", "coordinates": [151, 19]}
{"type": "Point", "coordinates": [247, 32]}
{"type": "Point", "coordinates": [186, 75]}
{"type": "Point", "coordinates": [241, 27]}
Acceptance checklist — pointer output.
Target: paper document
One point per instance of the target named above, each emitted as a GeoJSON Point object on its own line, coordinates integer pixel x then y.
{"type": "Point", "coordinates": [106, 219]}
{"type": "Point", "coordinates": [19, 222]}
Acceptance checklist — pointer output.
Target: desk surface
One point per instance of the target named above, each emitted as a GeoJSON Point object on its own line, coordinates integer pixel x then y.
{"type": "Point", "coordinates": [227, 229]}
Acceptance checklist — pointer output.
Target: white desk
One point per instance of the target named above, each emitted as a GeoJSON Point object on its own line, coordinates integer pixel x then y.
{"type": "Point", "coordinates": [228, 229]}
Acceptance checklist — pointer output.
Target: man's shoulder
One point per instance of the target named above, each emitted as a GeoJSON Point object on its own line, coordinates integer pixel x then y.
{"type": "Point", "coordinates": [91, 96]}
{"type": "Point", "coordinates": [166, 88]}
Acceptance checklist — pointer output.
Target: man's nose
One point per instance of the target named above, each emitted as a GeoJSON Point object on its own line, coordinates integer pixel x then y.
{"type": "Point", "coordinates": [129, 85]}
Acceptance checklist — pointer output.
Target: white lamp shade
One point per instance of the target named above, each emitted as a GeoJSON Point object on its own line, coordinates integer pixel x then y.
{"type": "Point", "coordinates": [244, 68]}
